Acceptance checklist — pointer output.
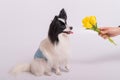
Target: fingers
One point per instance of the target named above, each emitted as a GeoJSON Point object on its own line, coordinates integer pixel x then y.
{"type": "Point", "coordinates": [103, 32]}
{"type": "Point", "coordinates": [104, 36]}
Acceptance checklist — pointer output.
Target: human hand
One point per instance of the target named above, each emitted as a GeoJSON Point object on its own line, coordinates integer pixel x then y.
{"type": "Point", "coordinates": [107, 32]}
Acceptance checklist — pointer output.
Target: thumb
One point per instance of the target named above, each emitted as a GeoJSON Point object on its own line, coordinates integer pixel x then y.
{"type": "Point", "coordinates": [103, 28]}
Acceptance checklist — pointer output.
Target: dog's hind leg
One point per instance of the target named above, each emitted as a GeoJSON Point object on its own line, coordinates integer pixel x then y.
{"type": "Point", "coordinates": [48, 71]}
{"type": "Point", "coordinates": [37, 67]}
{"type": "Point", "coordinates": [38, 74]}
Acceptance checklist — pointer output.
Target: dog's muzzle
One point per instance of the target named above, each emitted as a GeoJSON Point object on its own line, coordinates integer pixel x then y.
{"type": "Point", "coordinates": [69, 32]}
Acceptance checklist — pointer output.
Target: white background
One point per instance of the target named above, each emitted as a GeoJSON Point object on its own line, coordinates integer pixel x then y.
{"type": "Point", "coordinates": [24, 23]}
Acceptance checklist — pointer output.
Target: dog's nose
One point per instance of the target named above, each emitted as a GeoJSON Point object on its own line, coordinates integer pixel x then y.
{"type": "Point", "coordinates": [71, 28]}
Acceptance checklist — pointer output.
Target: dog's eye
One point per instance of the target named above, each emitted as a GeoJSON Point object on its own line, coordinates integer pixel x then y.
{"type": "Point", "coordinates": [63, 27]}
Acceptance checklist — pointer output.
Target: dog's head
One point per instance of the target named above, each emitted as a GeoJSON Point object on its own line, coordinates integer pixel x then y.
{"type": "Point", "coordinates": [58, 26]}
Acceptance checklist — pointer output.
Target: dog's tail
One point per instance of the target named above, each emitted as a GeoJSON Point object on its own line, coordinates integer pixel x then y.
{"type": "Point", "coordinates": [20, 68]}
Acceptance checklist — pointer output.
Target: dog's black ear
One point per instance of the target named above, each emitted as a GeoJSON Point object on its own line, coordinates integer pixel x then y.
{"type": "Point", "coordinates": [52, 30]}
{"type": "Point", "coordinates": [63, 14]}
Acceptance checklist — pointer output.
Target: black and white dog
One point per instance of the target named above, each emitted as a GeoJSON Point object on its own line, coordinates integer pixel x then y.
{"type": "Point", "coordinates": [52, 52]}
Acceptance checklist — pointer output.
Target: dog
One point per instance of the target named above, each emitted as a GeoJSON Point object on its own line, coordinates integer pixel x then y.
{"type": "Point", "coordinates": [53, 50]}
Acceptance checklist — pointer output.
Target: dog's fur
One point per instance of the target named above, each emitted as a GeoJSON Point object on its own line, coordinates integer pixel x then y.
{"type": "Point", "coordinates": [54, 48]}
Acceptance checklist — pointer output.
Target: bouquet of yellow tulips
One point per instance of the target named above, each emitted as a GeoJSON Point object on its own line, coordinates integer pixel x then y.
{"type": "Point", "coordinates": [90, 23]}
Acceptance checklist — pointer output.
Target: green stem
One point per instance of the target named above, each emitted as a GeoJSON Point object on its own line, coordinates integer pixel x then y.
{"type": "Point", "coordinates": [97, 30]}
{"type": "Point", "coordinates": [111, 41]}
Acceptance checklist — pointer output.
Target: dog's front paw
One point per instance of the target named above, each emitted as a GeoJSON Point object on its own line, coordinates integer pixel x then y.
{"type": "Point", "coordinates": [66, 69]}
{"type": "Point", "coordinates": [58, 72]}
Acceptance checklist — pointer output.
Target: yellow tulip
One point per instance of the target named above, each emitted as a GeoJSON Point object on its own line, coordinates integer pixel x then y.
{"type": "Point", "coordinates": [86, 22]}
{"type": "Point", "coordinates": [87, 25]}
{"type": "Point", "coordinates": [92, 20]}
